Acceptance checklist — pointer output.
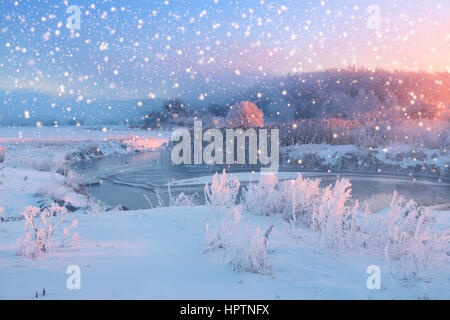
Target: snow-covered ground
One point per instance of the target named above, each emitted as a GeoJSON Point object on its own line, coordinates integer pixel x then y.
{"type": "Point", "coordinates": [165, 253]}
{"type": "Point", "coordinates": [158, 254]}
{"type": "Point", "coordinates": [23, 187]}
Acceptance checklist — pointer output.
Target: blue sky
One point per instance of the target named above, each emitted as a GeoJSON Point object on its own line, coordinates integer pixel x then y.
{"type": "Point", "coordinates": [137, 49]}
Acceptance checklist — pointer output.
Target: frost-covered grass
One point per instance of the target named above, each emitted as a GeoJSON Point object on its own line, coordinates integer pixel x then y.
{"type": "Point", "coordinates": [179, 200]}
{"type": "Point", "coordinates": [418, 146]}
{"type": "Point", "coordinates": [371, 131]}
{"type": "Point", "coordinates": [223, 191]}
{"type": "Point", "coordinates": [43, 231]}
{"type": "Point", "coordinates": [407, 235]}
{"type": "Point", "coordinates": [410, 237]}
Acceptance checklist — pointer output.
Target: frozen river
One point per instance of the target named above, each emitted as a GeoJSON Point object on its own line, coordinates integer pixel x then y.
{"type": "Point", "coordinates": [124, 180]}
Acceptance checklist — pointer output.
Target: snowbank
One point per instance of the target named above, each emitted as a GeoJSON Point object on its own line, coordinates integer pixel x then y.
{"type": "Point", "coordinates": [25, 187]}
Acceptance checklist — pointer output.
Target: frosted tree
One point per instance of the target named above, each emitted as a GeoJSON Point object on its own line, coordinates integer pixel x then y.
{"type": "Point", "coordinates": [245, 115]}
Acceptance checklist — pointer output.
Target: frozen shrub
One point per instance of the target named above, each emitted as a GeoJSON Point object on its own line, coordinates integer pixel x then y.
{"type": "Point", "coordinates": [404, 233]}
{"type": "Point", "coordinates": [294, 200]}
{"type": "Point", "coordinates": [408, 235]}
{"type": "Point", "coordinates": [231, 233]}
{"type": "Point", "coordinates": [223, 191]}
{"type": "Point", "coordinates": [182, 199]}
{"type": "Point", "coordinates": [303, 202]}
{"type": "Point", "coordinates": [253, 256]}
{"type": "Point", "coordinates": [94, 206]}
{"type": "Point", "coordinates": [223, 233]}
{"type": "Point", "coordinates": [41, 227]}
{"type": "Point", "coordinates": [245, 115]}
{"type": "Point", "coordinates": [301, 197]}
{"type": "Point", "coordinates": [263, 198]}
{"type": "Point", "coordinates": [333, 219]}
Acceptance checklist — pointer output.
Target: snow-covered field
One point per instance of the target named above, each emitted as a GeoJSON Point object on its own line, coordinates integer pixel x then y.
{"type": "Point", "coordinates": [158, 254]}
{"type": "Point", "coordinates": [212, 251]}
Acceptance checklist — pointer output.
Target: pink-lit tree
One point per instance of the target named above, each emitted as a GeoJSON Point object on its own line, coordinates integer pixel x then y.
{"type": "Point", "coordinates": [245, 115]}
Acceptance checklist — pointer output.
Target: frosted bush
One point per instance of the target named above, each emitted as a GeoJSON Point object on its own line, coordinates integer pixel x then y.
{"type": "Point", "coordinates": [95, 206]}
{"type": "Point", "coordinates": [333, 219]}
{"type": "Point", "coordinates": [232, 233]}
{"type": "Point", "coordinates": [225, 232]}
{"type": "Point", "coordinates": [301, 197]}
{"type": "Point", "coordinates": [263, 198]}
{"type": "Point", "coordinates": [405, 234]}
{"type": "Point", "coordinates": [408, 235]}
{"type": "Point", "coordinates": [41, 228]}
{"type": "Point", "coordinates": [253, 256]}
{"type": "Point", "coordinates": [292, 199]}
{"type": "Point", "coordinates": [182, 199]}
{"type": "Point", "coordinates": [223, 191]}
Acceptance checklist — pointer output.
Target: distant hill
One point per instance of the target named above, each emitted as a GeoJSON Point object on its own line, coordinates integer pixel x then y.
{"type": "Point", "coordinates": [350, 93]}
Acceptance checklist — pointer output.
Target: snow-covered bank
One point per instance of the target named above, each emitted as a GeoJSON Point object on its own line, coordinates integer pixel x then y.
{"type": "Point", "coordinates": [35, 167]}
{"type": "Point", "coordinates": [23, 187]}
{"type": "Point", "coordinates": [405, 159]}
{"type": "Point", "coordinates": [158, 254]}
{"type": "Point", "coordinates": [49, 148]}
